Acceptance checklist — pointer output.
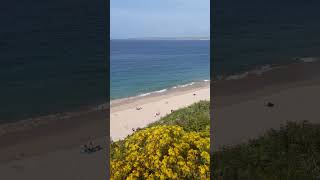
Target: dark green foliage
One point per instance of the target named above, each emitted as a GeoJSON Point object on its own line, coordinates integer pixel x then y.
{"type": "Point", "coordinates": [192, 118]}
{"type": "Point", "coordinates": [292, 152]}
{"type": "Point", "coordinates": [118, 144]}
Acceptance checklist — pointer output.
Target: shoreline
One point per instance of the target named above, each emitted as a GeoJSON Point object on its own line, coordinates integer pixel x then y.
{"type": "Point", "coordinates": [124, 117]}
{"type": "Point", "coordinates": [237, 77]}
{"type": "Point", "coordinates": [265, 68]}
{"type": "Point", "coordinates": [239, 108]}
{"type": "Point", "coordinates": [279, 75]}
{"type": "Point", "coordinates": [66, 130]}
{"type": "Point", "coordinates": [34, 122]}
{"type": "Point", "coordinates": [165, 91]}
{"type": "Point", "coordinates": [239, 114]}
{"type": "Point", "coordinates": [159, 91]}
{"type": "Point", "coordinates": [265, 77]}
{"type": "Point", "coordinates": [32, 152]}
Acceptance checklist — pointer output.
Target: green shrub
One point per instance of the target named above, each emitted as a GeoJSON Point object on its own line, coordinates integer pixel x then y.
{"type": "Point", "coordinates": [195, 117]}
{"type": "Point", "coordinates": [292, 152]}
{"type": "Point", "coordinates": [175, 147]}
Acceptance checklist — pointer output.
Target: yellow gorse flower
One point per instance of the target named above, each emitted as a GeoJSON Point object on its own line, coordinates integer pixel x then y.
{"type": "Point", "coordinates": [162, 152]}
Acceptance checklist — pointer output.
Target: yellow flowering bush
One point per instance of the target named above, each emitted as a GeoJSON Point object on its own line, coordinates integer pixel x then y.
{"type": "Point", "coordinates": [162, 152]}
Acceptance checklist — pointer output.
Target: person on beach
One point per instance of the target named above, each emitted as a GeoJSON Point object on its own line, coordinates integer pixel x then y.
{"type": "Point", "coordinates": [85, 149]}
{"type": "Point", "coordinates": [91, 144]}
{"type": "Point", "coordinates": [269, 104]}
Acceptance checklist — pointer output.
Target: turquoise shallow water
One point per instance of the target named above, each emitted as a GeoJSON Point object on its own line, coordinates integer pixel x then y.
{"type": "Point", "coordinates": [141, 66]}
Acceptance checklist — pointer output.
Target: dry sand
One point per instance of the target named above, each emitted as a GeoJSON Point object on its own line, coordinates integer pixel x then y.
{"type": "Point", "coordinates": [52, 150]}
{"type": "Point", "coordinates": [239, 108]}
{"type": "Point", "coordinates": [60, 164]}
{"type": "Point", "coordinates": [239, 122]}
{"type": "Point", "coordinates": [124, 116]}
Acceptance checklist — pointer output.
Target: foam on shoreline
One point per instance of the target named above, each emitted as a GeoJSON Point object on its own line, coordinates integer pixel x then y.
{"type": "Point", "coordinates": [265, 68]}
{"type": "Point", "coordinates": [124, 115]}
{"type": "Point", "coordinates": [308, 59]}
{"type": "Point", "coordinates": [162, 91]}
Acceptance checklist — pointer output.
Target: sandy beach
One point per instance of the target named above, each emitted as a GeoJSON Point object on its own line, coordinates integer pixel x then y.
{"type": "Point", "coordinates": [51, 149]}
{"type": "Point", "coordinates": [239, 108]}
{"type": "Point", "coordinates": [36, 150]}
{"type": "Point", "coordinates": [124, 116]}
{"type": "Point", "coordinates": [60, 164]}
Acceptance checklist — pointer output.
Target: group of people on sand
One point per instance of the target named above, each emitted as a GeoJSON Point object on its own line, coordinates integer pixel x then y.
{"type": "Point", "coordinates": [158, 113]}
{"type": "Point", "coordinates": [90, 148]}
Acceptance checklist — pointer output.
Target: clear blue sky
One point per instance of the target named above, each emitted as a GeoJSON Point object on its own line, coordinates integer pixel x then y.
{"type": "Point", "coordinates": [159, 18]}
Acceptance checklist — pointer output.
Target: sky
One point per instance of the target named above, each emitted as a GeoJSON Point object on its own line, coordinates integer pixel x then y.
{"type": "Point", "coordinates": [159, 18]}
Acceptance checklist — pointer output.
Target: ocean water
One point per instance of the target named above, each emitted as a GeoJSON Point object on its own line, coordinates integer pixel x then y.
{"type": "Point", "coordinates": [52, 57]}
{"type": "Point", "coordinates": [249, 34]}
{"type": "Point", "coordinates": [138, 67]}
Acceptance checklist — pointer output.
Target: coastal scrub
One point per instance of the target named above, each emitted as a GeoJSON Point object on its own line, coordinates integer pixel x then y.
{"type": "Point", "coordinates": [292, 152]}
{"type": "Point", "coordinates": [195, 117]}
{"type": "Point", "coordinates": [162, 152]}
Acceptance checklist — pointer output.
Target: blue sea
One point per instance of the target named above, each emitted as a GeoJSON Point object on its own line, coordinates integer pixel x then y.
{"type": "Point", "coordinates": [52, 56]}
{"type": "Point", "coordinates": [142, 66]}
{"type": "Point", "coordinates": [53, 53]}
{"type": "Point", "coordinates": [249, 34]}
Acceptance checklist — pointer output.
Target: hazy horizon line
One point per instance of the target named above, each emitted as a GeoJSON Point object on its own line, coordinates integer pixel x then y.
{"type": "Point", "coordinates": [164, 38]}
